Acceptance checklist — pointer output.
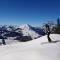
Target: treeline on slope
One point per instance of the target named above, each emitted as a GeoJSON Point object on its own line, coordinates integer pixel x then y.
{"type": "Point", "coordinates": [54, 26]}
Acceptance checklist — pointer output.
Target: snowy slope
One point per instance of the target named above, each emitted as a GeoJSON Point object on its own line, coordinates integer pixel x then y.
{"type": "Point", "coordinates": [32, 50]}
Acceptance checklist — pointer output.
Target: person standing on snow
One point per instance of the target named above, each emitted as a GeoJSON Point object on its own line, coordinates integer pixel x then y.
{"type": "Point", "coordinates": [48, 32]}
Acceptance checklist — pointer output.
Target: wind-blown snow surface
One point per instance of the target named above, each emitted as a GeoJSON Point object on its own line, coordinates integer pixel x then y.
{"type": "Point", "coordinates": [32, 50]}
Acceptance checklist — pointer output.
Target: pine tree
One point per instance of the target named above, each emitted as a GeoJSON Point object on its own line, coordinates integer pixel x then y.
{"type": "Point", "coordinates": [57, 27]}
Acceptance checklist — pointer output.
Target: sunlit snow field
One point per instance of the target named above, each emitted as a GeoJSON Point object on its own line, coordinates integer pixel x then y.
{"type": "Point", "coordinates": [31, 50]}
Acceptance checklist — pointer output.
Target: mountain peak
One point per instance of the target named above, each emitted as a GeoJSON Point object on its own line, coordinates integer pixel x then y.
{"type": "Point", "coordinates": [27, 26]}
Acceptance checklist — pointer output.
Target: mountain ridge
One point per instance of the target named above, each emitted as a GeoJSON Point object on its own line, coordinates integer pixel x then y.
{"type": "Point", "coordinates": [26, 30]}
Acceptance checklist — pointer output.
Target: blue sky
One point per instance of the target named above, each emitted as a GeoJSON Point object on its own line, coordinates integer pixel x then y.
{"type": "Point", "coordinates": [34, 12]}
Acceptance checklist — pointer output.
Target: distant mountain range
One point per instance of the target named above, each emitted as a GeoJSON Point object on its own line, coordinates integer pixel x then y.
{"type": "Point", "coordinates": [22, 33]}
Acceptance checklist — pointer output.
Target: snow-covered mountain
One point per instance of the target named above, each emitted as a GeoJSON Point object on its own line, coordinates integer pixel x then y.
{"type": "Point", "coordinates": [28, 31]}
{"type": "Point", "coordinates": [25, 31]}
{"type": "Point", "coordinates": [32, 50]}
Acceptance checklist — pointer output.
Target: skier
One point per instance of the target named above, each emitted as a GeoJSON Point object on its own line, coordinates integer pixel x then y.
{"type": "Point", "coordinates": [3, 41]}
{"type": "Point", "coordinates": [48, 32]}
